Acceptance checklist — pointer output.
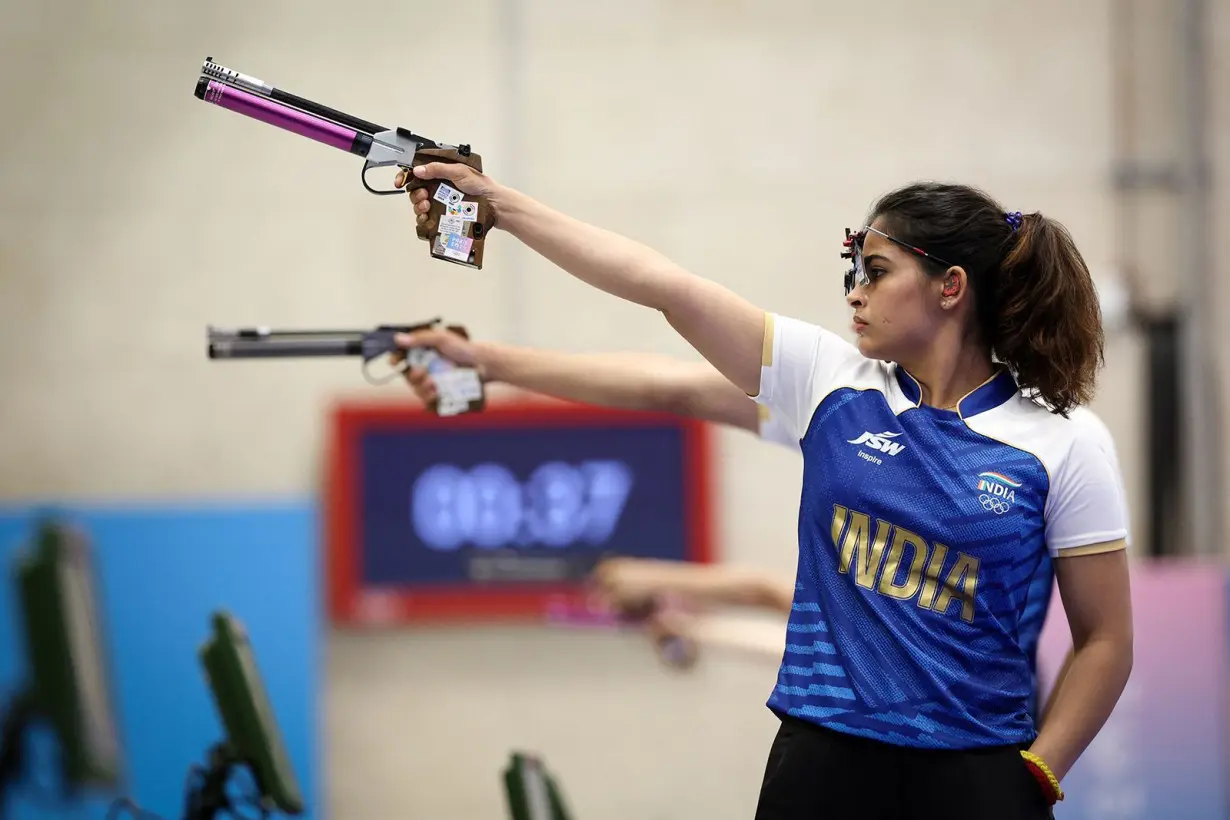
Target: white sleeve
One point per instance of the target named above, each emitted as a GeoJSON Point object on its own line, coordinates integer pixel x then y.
{"type": "Point", "coordinates": [1086, 505]}
{"type": "Point", "coordinates": [798, 364]}
{"type": "Point", "coordinates": [773, 431]}
{"type": "Point", "coordinates": [1121, 486]}
{"type": "Point", "coordinates": [1102, 435]}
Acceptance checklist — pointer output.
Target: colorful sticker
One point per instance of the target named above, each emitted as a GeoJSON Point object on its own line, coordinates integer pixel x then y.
{"type": "Point", "coordinates": [423, 358]}
{"type": "Point", "coordinates": [448, 195]}
{"type": "Point", "coordinates": [449, 406]}
{"type": "Point", "coordinates": [457, 247]}
{"type": "Point", "coordinates": [461, 383]}
{"type": "Point", "coordinates": [456, 386]}
{"type": "Point", "coordinates": [456, 389]}
{"type": "Point", "coordinates": [452, 224]}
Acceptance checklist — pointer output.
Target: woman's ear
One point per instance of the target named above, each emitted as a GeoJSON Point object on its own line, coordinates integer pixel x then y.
{"type": "Point", "coordinates": [953, 287]}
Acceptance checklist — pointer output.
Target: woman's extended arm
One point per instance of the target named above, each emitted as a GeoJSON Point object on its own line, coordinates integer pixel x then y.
{"type": "Point", "coordinates": [726, 329]}
{"type": "Point", "coordinates": [635, 381]}
{"type": "Point", "coordinates": [632, 581]}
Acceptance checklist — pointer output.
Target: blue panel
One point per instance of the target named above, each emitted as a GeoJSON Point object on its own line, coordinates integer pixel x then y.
{"type": "Point", "coordinates": [162, 571]}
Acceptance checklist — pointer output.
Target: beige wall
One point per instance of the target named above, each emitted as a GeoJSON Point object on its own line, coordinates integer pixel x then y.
{"type": "Point", "coordinates": [737, 141]}
{"type": "Point", "coordinates": [1218, 44]}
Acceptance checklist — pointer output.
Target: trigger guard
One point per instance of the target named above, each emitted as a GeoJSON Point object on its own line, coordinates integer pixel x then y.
{"type": "Point", "coordinates": [379, 381]}
{"type": "Point", "coordinates": [367, 166]}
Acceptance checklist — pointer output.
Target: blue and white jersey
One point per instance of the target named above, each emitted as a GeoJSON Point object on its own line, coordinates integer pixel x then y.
{"type": "Point", "coordinates": [923, 536]}
{"type": "Point", "coordinates": [775, 430]}
{"type": "Point", "coordinates": [1040, 598]}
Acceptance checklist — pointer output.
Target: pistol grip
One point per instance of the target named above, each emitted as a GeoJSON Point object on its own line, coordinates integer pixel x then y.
{"type": "Point", "coordinates": [457, 225]}
{"type": "Point", "coordinates": [475, 405]}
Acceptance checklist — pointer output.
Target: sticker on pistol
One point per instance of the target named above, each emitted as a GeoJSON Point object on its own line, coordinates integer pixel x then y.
{"type": "Point", "coordinates": [460, 383]}
{"type": "Point", "coordinates": [421, 358]}
{"type": "Point", "coordinates": [448, 195]}
{"type": "Point", "coordinates": [457, 247]}
{"type": "Point", "coordinates": [449, 406]}
{"type": "Point", "coordinates": [469, 211]}
{"type": "Point", "coordinates": [453, 224]}
{"type": "Point", "coordinates": [456, 387]}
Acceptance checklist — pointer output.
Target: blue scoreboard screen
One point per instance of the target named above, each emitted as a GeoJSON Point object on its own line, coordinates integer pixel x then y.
{"type": "Point", "coordinates": [503, 512]}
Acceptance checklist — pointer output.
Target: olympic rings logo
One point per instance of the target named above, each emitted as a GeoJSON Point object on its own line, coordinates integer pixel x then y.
{"type": "Point", "coordinates": [992, 504]}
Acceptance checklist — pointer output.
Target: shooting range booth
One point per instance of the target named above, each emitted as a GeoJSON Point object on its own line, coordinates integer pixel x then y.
{"type": "Point", "coordinates": [67, 685]}
{"type": "Point", "coordinates": [253, 741]}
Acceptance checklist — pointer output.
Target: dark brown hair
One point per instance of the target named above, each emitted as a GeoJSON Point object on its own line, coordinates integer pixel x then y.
{"type": "Point", "coordinates": [1035, 302]}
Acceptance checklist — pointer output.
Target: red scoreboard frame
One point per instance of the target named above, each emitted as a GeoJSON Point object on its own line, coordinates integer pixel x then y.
{"type": "Point", "coordinates": [349, 604]}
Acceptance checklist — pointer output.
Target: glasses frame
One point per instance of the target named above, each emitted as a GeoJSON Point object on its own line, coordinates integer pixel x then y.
{"type": "Point", "coordinates": [853, 250]}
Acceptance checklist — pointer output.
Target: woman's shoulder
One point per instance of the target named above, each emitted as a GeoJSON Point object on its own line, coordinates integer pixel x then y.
{"type": "Point", "coordinates": [1027, 424]}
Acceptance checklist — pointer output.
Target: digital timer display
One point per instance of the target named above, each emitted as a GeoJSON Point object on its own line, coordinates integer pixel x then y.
{"type": "Point", "coordinates": [560, 505]}
{"type": "Point", "coordinates": [502, 512]}
{"type": "Point", "coordinates": [449, 507]}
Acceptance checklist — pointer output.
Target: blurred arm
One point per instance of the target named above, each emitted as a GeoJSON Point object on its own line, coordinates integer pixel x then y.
{"type": "Point", "coordinates": [634, 381]}
{"type": "Point", "coordinates": [752, 637]}
{"type": "Point", "coordinates": [635, 579]}
{"type": "Point", "coordinates": [758, 638]}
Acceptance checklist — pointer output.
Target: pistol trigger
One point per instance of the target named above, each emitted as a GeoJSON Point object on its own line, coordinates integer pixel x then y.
{"type": "Point", "coordinates": [367, 166]}
{"type": "Point", "coordinates": [378, 382]}
{"type": "Point", "coordinates": [377, 344]}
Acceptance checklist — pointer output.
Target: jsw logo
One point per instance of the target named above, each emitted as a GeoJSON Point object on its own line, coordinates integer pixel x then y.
{"type": "Point", "coordinates": [880, 441]}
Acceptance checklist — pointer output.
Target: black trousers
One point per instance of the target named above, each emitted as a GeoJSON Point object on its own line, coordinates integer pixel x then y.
{"type": "Point", "coordinates": [820, 774]}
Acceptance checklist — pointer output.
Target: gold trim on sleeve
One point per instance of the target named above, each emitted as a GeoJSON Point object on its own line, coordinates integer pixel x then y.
{"type": "Point", "coordinates": [1093, 549]}
{"type": "Point", "coordinates": [766, 348]}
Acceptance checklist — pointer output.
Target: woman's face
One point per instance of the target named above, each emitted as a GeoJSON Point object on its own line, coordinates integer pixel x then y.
{"type": "Point", "coordinates": [897, 312]}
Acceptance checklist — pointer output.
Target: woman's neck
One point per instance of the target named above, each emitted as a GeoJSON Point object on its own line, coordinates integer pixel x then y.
{"type": "Point", "coordinates": [947, 377]}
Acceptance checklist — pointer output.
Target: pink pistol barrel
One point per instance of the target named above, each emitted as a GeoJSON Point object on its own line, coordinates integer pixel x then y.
{"type": "Point", "coordinates": [459, 240]}
{"type": "Point", "coordinates": [283, 116]}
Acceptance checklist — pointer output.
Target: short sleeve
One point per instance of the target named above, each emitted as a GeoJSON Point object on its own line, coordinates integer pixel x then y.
{"type": "Point", "coordinates": [799, 362]}
{"type": "Point", "coordinates": [1086, 507]}
{"type": "Point", "coordinates": [774, 432]}
{"type": "Point", "coordinates": [1106, 442]}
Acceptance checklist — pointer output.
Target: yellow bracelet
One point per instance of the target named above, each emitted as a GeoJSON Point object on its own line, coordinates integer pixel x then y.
{"type": "Point", "coordinates": [1046, 770]}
